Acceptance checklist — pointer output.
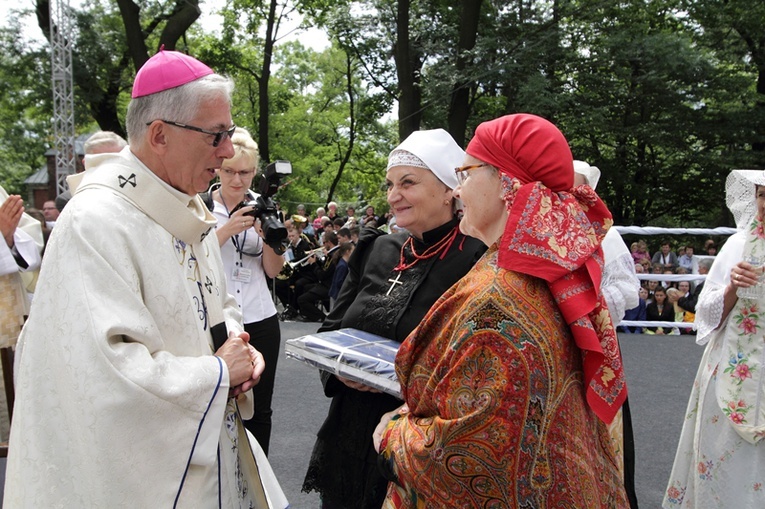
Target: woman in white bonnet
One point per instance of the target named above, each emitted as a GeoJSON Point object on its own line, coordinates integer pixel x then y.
{"type": "Point", "coordinates": [393, 280]}
{"type": "Point", "coordinates": [721, 456]}
{"type": "Point", "coordinates": [620, 287]}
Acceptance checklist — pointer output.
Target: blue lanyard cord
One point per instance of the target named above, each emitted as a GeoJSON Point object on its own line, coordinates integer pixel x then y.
{"type": "Point", "coordinates": [240, 249]}
{"type": "Point", "coordinates": [196, 438]}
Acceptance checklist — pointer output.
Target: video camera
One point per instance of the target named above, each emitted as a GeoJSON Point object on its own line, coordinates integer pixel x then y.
{"type": "Point", "coordinates": [265, 209]}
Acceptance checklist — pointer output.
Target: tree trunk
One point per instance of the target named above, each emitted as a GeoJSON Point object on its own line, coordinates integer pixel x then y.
{"type": "Point", "coordinates": [136, 40]}
{"type": "Point", "coordinates": [265, 76]}
{"type": "Point", "coordinates": [459, 108]}
{"type": "Point", "coordinates": [351, 127]}
{"type": "Point", "coordinates": [408, 67]}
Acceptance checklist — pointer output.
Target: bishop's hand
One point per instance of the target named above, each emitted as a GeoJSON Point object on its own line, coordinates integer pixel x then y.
{"type": "Point", "coordinates": [245, 364]}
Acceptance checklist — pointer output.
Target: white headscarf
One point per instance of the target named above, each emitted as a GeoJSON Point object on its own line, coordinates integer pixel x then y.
{"type": "Point", "coordinates": [433, 150]}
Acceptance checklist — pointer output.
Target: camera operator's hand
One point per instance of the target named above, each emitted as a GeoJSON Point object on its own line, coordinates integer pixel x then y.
{"type": "Point", "coordinates": [236, 224]}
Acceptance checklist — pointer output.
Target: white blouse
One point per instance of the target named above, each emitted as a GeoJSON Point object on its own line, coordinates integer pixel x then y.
{"type": "Point", "coordinates": [253, 297]}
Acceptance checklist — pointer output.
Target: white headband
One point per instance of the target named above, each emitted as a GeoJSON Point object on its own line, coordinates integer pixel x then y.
{"type": "Point", "coordinates": [434, 150]}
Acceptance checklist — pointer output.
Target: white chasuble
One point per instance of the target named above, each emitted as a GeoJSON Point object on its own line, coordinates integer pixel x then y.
{"type": "Point", "coordinates": [119, 400]}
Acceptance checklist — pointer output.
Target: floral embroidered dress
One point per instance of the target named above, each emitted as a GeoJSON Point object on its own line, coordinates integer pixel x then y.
{"type": "Point", "coordinates": [720, 460]}
{"type": "Point", "coordinates": [498, 413]}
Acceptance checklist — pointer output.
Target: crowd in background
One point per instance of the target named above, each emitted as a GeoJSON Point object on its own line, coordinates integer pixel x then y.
{"type": "Point", "coordinates": [316, 259]}
{"type": "Point", "coordinates": [668, 301]}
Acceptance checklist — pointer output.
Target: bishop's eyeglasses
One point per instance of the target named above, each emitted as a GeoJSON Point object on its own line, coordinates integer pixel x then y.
{"type": "Point", "coordinates": [219, 135]}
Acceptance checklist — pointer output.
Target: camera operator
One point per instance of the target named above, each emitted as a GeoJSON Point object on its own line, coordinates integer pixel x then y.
{"type": "Point", "coordinates": [323, 271]}
{"type": "Point", "coordinates": [247, 260]}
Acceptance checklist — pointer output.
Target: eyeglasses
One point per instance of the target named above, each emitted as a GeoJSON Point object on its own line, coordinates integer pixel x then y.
{"type": "Point", "coordinates": [461, 171]}
{"type": "Point", "coordinates": [219, 135]}
{"type": "Point", "coordinates": [243, 174]}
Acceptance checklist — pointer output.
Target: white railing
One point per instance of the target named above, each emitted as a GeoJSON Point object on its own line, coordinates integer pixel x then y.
{"type": "Point", "coordinates": [655, 230]}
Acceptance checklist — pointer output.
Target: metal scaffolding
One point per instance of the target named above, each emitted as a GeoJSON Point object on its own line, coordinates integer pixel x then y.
{"type": "Point", "coordinates": [61, 35]}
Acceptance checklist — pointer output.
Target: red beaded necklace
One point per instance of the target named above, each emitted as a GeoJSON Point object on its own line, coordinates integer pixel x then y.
{"type": "Point", "coordinates": [439, 247]}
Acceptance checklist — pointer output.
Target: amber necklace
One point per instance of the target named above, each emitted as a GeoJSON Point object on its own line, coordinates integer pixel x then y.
{"type": "Point", "coordinates": [439, 247]}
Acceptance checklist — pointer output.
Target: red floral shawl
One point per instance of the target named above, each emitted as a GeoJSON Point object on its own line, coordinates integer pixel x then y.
{"type": "Point", "coordinates": [555, 232]}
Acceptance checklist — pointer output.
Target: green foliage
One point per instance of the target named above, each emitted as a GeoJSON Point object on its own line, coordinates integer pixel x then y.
{"type": "Point", "coordinates": [310, 117]}
{"type": "Point", "coordinates": [665, 96]}
{"type": "Point", "coordinates": [25, 106]}
{"type": "Point", "coordinates": [314, 131]}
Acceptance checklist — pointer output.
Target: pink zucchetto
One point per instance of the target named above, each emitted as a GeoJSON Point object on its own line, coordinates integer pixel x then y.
{"type": "Point", "coordinates": [166, 70]}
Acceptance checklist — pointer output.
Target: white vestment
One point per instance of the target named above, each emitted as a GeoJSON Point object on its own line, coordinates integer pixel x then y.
{"type": "Point", "coordinates": [119, 400]}
{"type": "Point", "coordinates": [14, 303]}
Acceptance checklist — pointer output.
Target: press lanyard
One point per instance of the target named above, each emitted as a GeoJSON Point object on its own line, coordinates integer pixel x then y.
{"type": "Point", "coordinates": [235, 238]}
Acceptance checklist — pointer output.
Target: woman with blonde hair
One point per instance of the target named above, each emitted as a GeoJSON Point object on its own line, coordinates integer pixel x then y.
{"type": "Point", "coordinates": [248, 261]}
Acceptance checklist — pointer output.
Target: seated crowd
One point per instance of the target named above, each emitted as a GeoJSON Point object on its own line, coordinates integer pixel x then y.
{"type": "Point", "coordinates": [668, 301]}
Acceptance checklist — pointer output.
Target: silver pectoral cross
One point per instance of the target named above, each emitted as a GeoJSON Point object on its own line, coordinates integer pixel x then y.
{"type": "Point", "coordinates": [393, 283]}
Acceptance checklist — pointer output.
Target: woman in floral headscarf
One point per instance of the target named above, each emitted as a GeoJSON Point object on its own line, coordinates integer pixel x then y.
{"type": "Point", "coordinates": [512, 377]}
{"type": "Point", "coordinates": [721, 457]}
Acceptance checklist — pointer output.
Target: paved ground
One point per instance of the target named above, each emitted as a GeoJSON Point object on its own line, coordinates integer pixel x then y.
{"type": "Point", "coordinates": [660, 371]}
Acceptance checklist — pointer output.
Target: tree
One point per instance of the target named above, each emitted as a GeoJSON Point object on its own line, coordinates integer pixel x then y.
{"type": "Point", "coordinates": [25, 107]}
{"type": "Point", "coordinates": [733, 30]}
{"type": "Point", "coordinates": [397, 43]}
{"type": "Point", "coordinates": [634, 113]}
{"type": "Point", "coordinates": [105, 56]}
{"type": "Point", "coordinates": [459, 108]}
{"type": "Point", "coordinates": [328, 128]}
{"type": "Point", "coordinates": [244, 54]}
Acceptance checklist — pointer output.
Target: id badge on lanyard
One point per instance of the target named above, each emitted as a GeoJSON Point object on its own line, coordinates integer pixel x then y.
{"type": "Point", "coordinates": [241, 275]}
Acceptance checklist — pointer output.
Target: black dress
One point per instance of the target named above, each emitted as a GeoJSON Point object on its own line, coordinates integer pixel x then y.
{"type": "Point", "coordinates": [652, 313]}
{"type": "Point", "coordinates": [343, 466]}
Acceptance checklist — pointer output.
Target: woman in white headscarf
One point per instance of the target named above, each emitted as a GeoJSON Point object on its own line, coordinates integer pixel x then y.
{"type": "Point", "coordinates": [248, 261]}
{"type": "Point", "coordinates": [392, 282]}
{"type": "Point", "coordinates": [720, 457]}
